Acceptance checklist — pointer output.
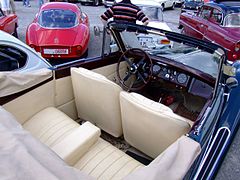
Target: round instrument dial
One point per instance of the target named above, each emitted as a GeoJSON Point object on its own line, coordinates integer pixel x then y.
{"type": "Point", "coordinates": [156, 69]}
{"type": "Point", "coordinates": [182, 78]}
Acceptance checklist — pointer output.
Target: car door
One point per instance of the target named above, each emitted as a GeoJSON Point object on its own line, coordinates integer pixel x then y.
{"type": "Point", "coordinates": [202, 21]}
{"type": "Point", "coordinates": [215, 32]}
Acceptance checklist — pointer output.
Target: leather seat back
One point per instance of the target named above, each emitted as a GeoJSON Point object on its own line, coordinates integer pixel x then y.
{"type": "Point", "coordinates": [97, 100]}
{"type": "Point", "coordinates": [150, 126]}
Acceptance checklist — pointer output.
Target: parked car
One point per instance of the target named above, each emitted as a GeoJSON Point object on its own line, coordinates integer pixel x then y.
{"type": "Point", "coordinates": [178, 105]}
{"type": "Point", "coordinates": [108, 3]}
{"type": "Point", "coordinates": [93, 2]}
{"type": "Point", "coordinates": [167, 3]}
{"type": "Point", "coordinates": [179, 3]}
{"type": "Point", "coordinates": [163, 3]}
{"type": "Point", "coordinates": [9, 23]}
{"type": "Point", "coordinates": [47, 33]}
{"type": "Point", "coordinates": [191, 5]}
{"type": "Point", "coordinates": [216, 22]}
{"type": "Point", "coordinates": [17, 56]}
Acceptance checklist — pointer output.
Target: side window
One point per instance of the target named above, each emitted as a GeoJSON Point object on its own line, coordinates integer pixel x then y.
{"type": "Point", "coordinates": [216, 16]}
{"type": "Point", "coordinates": [205, 12]}
{"type": "Point", "coordinates": [11, 58]}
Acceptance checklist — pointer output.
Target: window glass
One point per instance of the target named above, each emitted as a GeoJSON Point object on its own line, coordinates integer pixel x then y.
{"type": "Point", "coordinates": [11, 58]}
{"type": "Point", "coordinates": [153, 13]}
{"type": "Point", "coordinates": [58, 18]}
{"type": "Point", "coordinates": [232, 20]}
{"type": "Point", "coordinates": [205, 12]}
{"type": "Point", "coordinates": [216, 16]}
{"type": "Point", "coordinates": [193, 0]}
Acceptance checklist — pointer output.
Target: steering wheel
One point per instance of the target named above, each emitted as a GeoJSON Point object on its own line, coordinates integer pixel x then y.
{"type": "Point", "coordinates": [139, 69]}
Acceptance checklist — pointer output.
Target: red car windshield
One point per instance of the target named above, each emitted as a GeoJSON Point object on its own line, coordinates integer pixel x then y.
{"type": "Point", "coordinates": [57, 18]}
{"type": "Point", "coordinates": [232, 20]}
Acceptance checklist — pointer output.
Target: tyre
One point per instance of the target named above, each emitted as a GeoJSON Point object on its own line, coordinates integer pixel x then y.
{"type": "Point", "coordinates": [85, 55]}
{"type": "Point", "coordinates": [183, 31]}
{"type": "Point", "coordinates": [96, 3]}
{"type": "Point", "coordinates": [15, 33]}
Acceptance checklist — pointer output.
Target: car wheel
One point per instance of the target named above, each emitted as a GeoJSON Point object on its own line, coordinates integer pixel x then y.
{"type": "Point", "coordinates": [85, 54]}
{"type": "Point", "coordinates": [83, 3]}
{"type": "Point", "coordinates": [15, 33]}
{"type": "Point", "coordinates": [183, 31]}
{"type": "Point", "coordinates": [96, 2]}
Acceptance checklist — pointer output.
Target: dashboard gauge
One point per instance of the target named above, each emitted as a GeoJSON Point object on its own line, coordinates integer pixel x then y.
{"type": "Point", "coordinates": [156, 69]}
{"type": "Point", "coordinates": [182, 78]}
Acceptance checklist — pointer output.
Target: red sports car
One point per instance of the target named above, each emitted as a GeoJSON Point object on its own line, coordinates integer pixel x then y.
{"type": "Point", "coordinates": [9, 23]}
{"type": "Point", "coordinates": [217, 22]}
{"type": "Point", "coordinates": [59, 30]}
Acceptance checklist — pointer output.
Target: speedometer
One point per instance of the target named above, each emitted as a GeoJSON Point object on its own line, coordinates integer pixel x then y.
{"type": "Point", "coordinates": [182, 78]}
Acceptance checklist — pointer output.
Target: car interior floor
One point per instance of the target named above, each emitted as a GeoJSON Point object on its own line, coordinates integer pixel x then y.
{"type": "Point", "coordinates": [180, 101]}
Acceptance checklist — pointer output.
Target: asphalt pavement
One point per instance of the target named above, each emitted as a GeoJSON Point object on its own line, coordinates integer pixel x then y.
{"type": "Point", "coordinates": [27, 14]}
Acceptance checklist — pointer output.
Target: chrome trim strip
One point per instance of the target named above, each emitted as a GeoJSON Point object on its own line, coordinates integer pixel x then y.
{"type": "Point", "coordinates": [209, 150]}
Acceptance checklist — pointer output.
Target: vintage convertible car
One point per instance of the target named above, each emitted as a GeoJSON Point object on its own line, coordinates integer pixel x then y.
{"type": "Point", "coordinates": [174, 111]}
{"type": "Point", "coordinates": [217, 22]}
{"type": "Point", "coordinates": [9, 23]}
{"type": "Point", "coordinates": [47, 33]}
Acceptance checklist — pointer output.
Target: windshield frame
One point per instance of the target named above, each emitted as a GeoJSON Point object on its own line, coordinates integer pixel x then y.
{"type": "Point", "coordinates": [117, 28]}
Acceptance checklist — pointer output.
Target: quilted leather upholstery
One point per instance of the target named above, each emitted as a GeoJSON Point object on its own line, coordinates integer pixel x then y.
{"type": "Point", "coordinates": [104, 161]}
{"type": "Point", "coordinates": [149, 126]}
{"type": "Point", "coordinates": [50, 126]}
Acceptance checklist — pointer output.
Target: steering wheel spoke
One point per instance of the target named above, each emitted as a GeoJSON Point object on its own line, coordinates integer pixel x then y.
{"type": "Point", "coordinates": [142, 78]}
{"type": "Point", "coordinates": [139, 72]}
{"type": "Point", "coordinates": [127, 76]}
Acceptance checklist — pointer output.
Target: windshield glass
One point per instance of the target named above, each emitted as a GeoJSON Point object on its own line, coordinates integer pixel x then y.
{"type": "Point", "coordinates": [153, 13]}
{"type": "Point", "coordinates": [160, 46]}
{"type": "Point", "coordinates": [232, 20]}
{"type": "Point", "coordinates": [58, 18]}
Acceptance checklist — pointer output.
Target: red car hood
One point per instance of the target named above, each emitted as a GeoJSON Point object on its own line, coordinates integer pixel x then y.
{"type": "Point", "coordinates": [59, 37]}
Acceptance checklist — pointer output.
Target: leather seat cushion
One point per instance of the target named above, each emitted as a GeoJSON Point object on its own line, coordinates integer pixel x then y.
{"type": "Point", "coordinates": [104, 161]}
{"type": "Point", "coordinates": [97, 100]}
{"type": "Point", "coordinates": [150, 127]}
{"type": "Point", "coordinates": [50, 125]}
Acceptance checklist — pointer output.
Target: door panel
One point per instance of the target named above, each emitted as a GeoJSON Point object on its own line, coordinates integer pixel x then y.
{"type": "Point", "coordinates": [28, 104]}
{"type": "Point", "coordinates": [110, 71]}
{"type": "Point", "coordinates": [64, 98]}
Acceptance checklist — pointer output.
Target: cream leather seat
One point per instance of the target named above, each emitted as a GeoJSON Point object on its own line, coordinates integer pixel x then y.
{"type": "Point", "coordinates": [150, 126]}
{"type": "Point", "coordinates": [50, 125]}
{"type": "Point", "coordinates": [80, 146]}
{"type": "Point", "coordinates": [104, 161]}
{"type": "Point", "coordinates": [97, 100]}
